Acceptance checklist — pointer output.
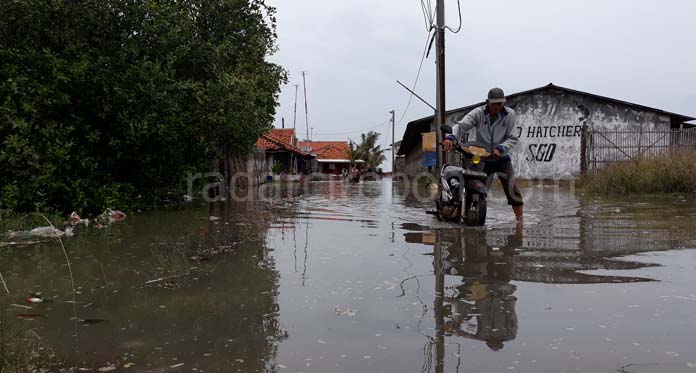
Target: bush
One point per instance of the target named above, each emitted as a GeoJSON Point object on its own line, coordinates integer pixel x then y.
{"type": "Point", "coordinates": [674, 172]}
{"type": "Point", "coordinates": [104, 101]}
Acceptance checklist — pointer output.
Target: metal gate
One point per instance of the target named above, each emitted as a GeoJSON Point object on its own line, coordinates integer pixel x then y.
{"type": "Point", "coordinates": [603, 147]}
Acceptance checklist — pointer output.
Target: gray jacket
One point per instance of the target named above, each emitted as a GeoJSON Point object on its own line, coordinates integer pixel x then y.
{"type": "Point", "coordinates": [499, 134]}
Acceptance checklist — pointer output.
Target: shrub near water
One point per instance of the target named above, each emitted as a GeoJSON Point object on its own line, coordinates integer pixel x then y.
{"type": "Point", "coordinates": [111, 103]}
{"type": "Point", "coordinates": [669, 173]}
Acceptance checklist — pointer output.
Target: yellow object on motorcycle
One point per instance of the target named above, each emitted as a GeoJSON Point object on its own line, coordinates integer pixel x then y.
{"type": "Point", "coordinates": [476, 159]}
{"type": "Point", "coordinates": [475, 150]}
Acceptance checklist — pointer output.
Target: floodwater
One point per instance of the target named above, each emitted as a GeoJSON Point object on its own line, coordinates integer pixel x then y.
{"type": "Point", "coordinates": [357, 278]}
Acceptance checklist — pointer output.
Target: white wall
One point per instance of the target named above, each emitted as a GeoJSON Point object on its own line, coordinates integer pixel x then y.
{"type": "Point", "coordinates": [550, 124]}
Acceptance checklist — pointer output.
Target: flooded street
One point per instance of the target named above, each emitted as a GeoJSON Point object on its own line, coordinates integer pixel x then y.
{"type": "Point", "coordinates": [357, 278]}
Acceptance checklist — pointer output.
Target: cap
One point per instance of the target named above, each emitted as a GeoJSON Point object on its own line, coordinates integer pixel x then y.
{"type": "Point", "coordinates": [496, 95]}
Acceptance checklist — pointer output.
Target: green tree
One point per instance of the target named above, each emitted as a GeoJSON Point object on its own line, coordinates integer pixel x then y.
{"type": "Point", "coordinates": [108, 102]}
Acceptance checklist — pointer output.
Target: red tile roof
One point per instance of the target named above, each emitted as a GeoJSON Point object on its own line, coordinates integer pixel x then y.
{"type": "Point", "coordinates": [327, 149]}
{"type": "Point", "coordinates": [284, 135]}
{"type": "Point", "coordinates": [280, 139]}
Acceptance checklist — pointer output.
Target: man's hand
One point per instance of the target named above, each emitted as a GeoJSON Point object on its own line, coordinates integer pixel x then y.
{"type": "Point", "coordinates": [496, 153]}
{"type": "Point", "coordinates": [447, 145]}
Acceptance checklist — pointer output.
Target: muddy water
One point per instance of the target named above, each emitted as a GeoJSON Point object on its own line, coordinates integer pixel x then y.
{"type": "Point", "coordinates": [356, 278]}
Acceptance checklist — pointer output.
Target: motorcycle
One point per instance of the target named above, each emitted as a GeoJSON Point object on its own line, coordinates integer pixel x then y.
{"type": "Point", "coordinates": [462, 188]}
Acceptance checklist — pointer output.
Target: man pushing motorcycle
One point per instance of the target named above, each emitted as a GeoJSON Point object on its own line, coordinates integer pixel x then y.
{"type": "Point", "coordinates": [495, 124]}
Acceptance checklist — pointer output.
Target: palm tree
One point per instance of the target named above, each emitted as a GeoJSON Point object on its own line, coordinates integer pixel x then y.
{"type": "Point", "coordinates": [353, 154]}
{"type": "Point", "coordinates": [369, 151]}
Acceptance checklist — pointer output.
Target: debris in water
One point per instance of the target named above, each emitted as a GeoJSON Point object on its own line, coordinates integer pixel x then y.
{"type": "Point", "coordinates": [29, 315]}
{"type": "Point", "coordinates": [177, 365]}
{"type": "Point", "coordinates": [345, 311]}
{"type": "Point", "coordinates": [108, 217]}
{"type": "Point", "coordinates": [128, 365]}
{"type": "Point", "coordinates": [20, 306]}
{"type": "Point", "coordinates": [47, 232]}
{"type": "Point", "coordinates": [76, 220]}
{"type": "Point", "coordinates": [116, 215]}
{"type": "Point", "coordinates": [213, 218]}
{"type": "Point", "coordinates": [14, 243]}
{"type": "Point", "coordinates": [91, 321]}
{"type": "Point", "coordinates": [107, 368]}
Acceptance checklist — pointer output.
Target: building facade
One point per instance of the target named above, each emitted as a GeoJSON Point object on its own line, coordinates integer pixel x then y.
{"type": "Point", "coordinates": [283, 155]}
{"type": "Point", "coordinates": [551, 121]}
{"type": "Point", "coordinates": [331, 156]}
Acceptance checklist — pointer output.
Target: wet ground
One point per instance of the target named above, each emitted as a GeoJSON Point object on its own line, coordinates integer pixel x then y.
{"type": "Point", "coordinates": [357, 278]}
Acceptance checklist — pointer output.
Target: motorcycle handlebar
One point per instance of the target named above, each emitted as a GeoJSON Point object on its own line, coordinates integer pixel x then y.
{"type": "Point", "coordinates": [459, 148]}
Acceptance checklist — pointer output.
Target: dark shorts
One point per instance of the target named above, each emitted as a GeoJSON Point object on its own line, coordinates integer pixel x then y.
{"type": "Point", "coordinates": [506, 175]}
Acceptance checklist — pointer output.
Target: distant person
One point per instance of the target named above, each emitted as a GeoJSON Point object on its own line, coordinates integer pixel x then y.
{"type": "Point", "coordinates": [495, 124]}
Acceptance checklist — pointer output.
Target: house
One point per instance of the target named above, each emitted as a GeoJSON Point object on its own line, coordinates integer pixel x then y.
{"type": "Point", "coordinates": [282, 152]}
{"type": "Point", "coordinates": [332, 156]}
{"type": "Point", "coordinates": [553, 123]}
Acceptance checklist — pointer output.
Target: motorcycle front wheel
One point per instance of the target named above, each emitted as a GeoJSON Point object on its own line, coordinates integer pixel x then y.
{"type": "Point", "coordinates": [476, 210]}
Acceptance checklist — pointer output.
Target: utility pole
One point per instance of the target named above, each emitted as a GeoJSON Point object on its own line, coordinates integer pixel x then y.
{"type": "Point", "coordinates": [439, 278]}
{"type": "Point", "coordinates": [304, 85]}
{"type": "Point", "coordinates": [440, 58]}
{"type": "Point", "coordinates": [392, 147]}
{"type": "Point", "coordinates": [294, 119]}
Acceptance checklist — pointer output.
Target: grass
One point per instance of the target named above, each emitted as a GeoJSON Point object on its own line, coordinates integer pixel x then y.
{"type": "Point", "coordinates": [673, 172]}
{"type": "Point", "coordinates": [21, 350]}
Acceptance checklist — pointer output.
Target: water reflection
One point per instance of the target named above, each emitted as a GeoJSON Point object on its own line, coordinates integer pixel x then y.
{"type": "Point", "coordinates": [481, 305]}
{"type": "Point", "coordinates": [355, 277]}
{"type": "Point", "coordinates": [192, 285]}
{"type": "Point", "coordinates": [475, 271]}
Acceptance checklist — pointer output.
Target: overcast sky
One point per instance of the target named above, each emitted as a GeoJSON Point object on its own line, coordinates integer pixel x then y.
{"type": "Point", "coordinates": [354, 51]}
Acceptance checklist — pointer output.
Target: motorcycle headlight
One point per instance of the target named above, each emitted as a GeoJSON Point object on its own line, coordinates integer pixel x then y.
{"type": "Point", "coordinates": [476, 160]}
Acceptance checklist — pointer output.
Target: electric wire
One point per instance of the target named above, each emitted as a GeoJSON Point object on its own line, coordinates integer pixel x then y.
{"type": "Point", "coordinates": [353, 131]}
{"type": "Point", "coordinates": [459, 7]}
{"type": "Point", "coordinates": [425, 16]}
{"type": "Point", "coordinates": [426, 50]}
{"type": "Point", "coordinates": [428, 15]}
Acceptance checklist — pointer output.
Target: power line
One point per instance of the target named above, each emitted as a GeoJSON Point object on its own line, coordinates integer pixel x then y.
{"type": "Point", "coordinates": [425, 16]}
{"type": "Point", "coordinates": [459, 7]}
{"type": "Point", "coordinates": [428, 15]}
{"type": "Point", "coordinates": [385, 141]}
{"type": "Point", "coordinates": [420, 67]}
{"type": "Point", "coordinates": [354, 131]}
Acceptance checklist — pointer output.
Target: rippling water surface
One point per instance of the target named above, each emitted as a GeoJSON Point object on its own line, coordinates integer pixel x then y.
{"type": "Point", "coordinates": [357, 278]}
